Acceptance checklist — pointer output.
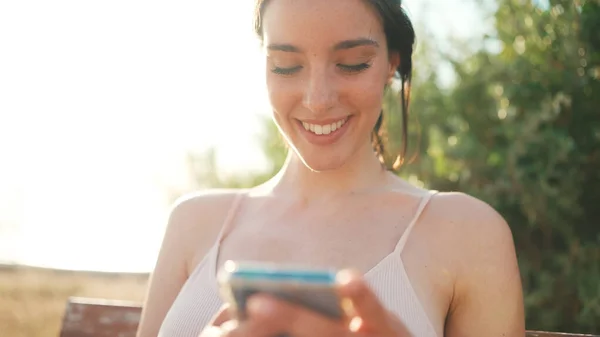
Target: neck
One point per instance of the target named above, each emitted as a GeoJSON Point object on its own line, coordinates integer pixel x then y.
{"type": "Point", "coordinates": [362, 173]}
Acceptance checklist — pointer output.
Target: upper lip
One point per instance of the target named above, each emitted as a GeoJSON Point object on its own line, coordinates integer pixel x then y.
{"type": "Point", "coordinates": [323, 121]}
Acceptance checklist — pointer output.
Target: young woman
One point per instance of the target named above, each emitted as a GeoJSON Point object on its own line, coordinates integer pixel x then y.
{"type": "Point", "coordinates": [423, 263]}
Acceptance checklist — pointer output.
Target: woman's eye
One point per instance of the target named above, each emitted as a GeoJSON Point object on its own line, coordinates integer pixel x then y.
{"type": "Point", "coordinates": [355, 68]}
{"type": "Point", "coordinates": [286, 71]}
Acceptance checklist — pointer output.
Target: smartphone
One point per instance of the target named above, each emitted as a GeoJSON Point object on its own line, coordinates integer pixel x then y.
{"type": "Point", "coordinates": [311, 288]}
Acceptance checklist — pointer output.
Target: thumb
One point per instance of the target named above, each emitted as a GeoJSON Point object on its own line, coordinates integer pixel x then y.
{"type": "Point", "coordinates": [222, 316]}
{"type": "Point", "coordinates": [365, 304]}
{"type": "Point", "coordinates": [213, 328]}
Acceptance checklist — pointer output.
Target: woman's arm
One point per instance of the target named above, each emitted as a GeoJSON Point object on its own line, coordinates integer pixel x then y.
{"type": "Point", "coordinates": [193, 225]}
{"type": "Point", "coordinates": [488, 296]}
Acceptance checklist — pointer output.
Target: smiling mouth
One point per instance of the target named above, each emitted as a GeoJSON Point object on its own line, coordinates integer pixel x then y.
{"type": "Point", "coordinates": [324, 129]}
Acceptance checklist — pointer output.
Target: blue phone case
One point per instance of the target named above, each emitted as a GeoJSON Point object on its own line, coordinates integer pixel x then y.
{"type": "Point", "coordinates": [314, 289]}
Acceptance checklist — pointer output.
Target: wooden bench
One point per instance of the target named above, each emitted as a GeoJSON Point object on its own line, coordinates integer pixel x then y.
{"type": "Point", "coordinates": [86, 317]}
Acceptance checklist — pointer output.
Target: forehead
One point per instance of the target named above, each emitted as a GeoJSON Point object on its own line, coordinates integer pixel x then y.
{"type": "Point", "coordinates": [314, 22]}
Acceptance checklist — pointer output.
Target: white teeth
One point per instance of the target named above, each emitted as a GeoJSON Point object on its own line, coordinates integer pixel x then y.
{"type": "Point", "coordinates": [319, 129]}
{"type": "Point", "coordinates": [324, 129]}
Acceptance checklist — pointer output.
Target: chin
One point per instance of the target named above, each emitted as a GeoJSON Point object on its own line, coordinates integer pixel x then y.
{"type": "Point", "coordinates": [321, 164]}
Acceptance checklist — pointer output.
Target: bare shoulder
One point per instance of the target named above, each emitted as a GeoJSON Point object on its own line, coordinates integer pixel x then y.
{"type": "Point", "coordinates": [201, 211]}
{"type": "Point", "coordinates": [195, 219]}
{"type": "Point", "coordinates": [487, 292]}
{"type": "Point", "coordinates": [193, 224]}
{"type": "Point", "coordinates": [473, 223]}
{"type": "Point", "coordinates": [474, 216]}
{"type": "Point", "coordinates": [474, 233]}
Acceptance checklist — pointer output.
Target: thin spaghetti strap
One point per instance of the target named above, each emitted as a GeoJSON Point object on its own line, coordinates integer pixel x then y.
{"type": "Point", "coordinates": [230, 215]}
{"type": "Point", "coordinates": [225, 227]}
{"type": "Point", "coordinates": [404, 238]}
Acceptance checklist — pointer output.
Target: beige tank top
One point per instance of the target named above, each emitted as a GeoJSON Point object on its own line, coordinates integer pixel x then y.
{"type": "Point", "coordinates": [199, 300]}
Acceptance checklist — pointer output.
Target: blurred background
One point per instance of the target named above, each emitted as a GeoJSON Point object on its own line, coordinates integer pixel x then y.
{"type": "Point", "coordinates": [110, 110]}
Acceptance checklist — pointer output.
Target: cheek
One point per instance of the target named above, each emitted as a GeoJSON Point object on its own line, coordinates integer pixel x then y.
{"type": "Point", "coordinates": [282, 98]}
{"type": "Point", "coordinates": [281, 94]}
{"type": "Point", "coordinates": [366, 94]}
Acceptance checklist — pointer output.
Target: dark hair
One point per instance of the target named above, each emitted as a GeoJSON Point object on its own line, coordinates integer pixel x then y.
{"type": "Point", "coordinates": [400, 38]}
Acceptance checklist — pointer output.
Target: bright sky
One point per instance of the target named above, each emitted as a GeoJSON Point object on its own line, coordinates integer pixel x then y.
{"type": "Point", "coordinates": [99, 102]}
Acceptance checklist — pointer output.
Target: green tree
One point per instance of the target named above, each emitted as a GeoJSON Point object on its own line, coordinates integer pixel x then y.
{"type": "Point", "coordinates": [520, 129]}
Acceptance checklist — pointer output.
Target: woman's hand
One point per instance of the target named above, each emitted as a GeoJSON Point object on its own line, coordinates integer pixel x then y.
{"type": "Point", "coordinates": [269, 317]}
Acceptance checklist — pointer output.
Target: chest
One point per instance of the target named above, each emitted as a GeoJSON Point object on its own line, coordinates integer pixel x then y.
{"type": "Point", "coordinates": [359, 235]}
{"type": "Point", "coordinates": [351, 234]}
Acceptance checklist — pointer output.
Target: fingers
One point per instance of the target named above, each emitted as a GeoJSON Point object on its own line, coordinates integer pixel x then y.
{"type": "Point", "coordinates": [248, 328]}
{"type": "Point", "coordinates": [365, 304]}
{"type": "Point", "coordinates": [272, 317]}
{"type": "Point", "coordinates": [223, 315]}
{"type": "Point", "coordinates": [370, 315]}
{"type": "Point", "coordinates": [269, 316]}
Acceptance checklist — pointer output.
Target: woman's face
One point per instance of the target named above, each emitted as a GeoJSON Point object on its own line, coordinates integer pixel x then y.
{"type": "Point", "coordinates": [327, 66]}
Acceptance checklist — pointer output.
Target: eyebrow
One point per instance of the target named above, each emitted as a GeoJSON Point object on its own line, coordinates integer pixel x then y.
{"type": "Point", "coordinates": [342, 45]}
{"type": "Point", "coordinates": [283, 47]}
{"type": "Point", "coordinates": [348, 44]}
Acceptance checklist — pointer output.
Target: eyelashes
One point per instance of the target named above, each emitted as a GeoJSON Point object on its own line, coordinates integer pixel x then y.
{"type": "Point", "coordinates": [286, 71]}
{"type": "Point", "coordinates": [349, 69]}
{"type": "Point", "coordinates": [354, 68]}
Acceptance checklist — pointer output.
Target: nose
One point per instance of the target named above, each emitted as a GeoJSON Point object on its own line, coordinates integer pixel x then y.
{"type": "Point", "coordinates": [320, 93]}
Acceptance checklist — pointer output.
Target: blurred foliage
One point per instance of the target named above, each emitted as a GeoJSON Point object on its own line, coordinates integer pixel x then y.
{"type": "Point", "coordinates": [204, 168]}
{"type": "Point", "coordinates": [519, 129]}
